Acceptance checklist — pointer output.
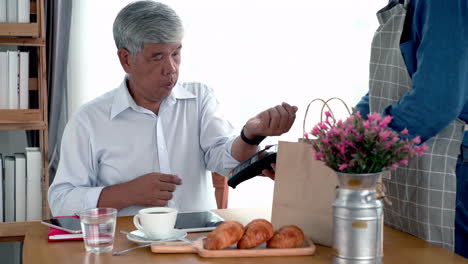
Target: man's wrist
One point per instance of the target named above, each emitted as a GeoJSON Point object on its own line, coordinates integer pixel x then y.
{"type": "Point", "coordinates": [256, 141]}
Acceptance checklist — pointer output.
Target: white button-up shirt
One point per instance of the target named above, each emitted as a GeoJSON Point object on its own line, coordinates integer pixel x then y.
{"type": "Point", "coordinates": [112, 140]}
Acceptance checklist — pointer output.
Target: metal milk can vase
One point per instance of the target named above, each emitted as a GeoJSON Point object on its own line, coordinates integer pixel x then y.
{"type": "Point", "coordinates": [357, 220]}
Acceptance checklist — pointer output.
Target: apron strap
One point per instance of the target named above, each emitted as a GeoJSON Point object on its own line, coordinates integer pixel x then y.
{"type": "Point", "coordinates": [405, 4]}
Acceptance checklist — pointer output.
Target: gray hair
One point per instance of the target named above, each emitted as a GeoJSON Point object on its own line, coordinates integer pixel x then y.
{"type": "Point", "coordinates": [144, 22]}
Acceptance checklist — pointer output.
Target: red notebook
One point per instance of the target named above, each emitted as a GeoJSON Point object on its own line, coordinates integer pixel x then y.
{"type": "Point", "coordinates": [60, 235]}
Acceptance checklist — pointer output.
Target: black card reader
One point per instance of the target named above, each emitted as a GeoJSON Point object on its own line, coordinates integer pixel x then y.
{"type": "Point", "coordinates": [252, 166]}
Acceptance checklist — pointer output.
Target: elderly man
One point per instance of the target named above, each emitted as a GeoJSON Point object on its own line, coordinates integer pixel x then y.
{"type": "Point", "coordinates": [153, 140]}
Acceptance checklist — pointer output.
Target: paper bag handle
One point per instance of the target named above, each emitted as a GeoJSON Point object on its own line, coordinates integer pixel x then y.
{"type": "Point", "coordinates": [325, 103]}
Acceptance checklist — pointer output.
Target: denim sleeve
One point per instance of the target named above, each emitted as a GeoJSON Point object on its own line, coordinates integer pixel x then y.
{"type": "Point", "coordinates": [440, 78]}
{"type": "Point", "coordinates": [363, 106]}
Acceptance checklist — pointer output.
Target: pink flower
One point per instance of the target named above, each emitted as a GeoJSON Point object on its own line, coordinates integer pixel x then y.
{"type": "Point", "coordinates": [385, 121]}
{"type": "Point", "coordinates": [343, 166]}
{"type": "Point", "coordinates": [420, 149]}
{"type": "Point", "coordinates": [372, 117]}
{"type": "Point", "coordinates": [306, 135]}
{"type": "Point", "coordinates": [342, 148]}
{"type": "Point", "coordinates": [404, 132]}
{"type": "Point", "coordinates": [315, 131]}
{"type": "Point", "coordinates": [319, 155]}
{"type": "Point", "coordinates": [349, 119]}
{"type": "Point", "coordinates": [366, 124]}
{"type": "Point", "coordinates": [384, 135]}
{"type": "Point", "coordinates": [355, 143]}
{"type": "Point", "coordinates": [328, 114]}
{"type": "Point", "coordinates": [322, 126]}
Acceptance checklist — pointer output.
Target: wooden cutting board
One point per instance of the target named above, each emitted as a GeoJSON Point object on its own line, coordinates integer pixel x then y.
{"type": "Point", "coordinates": [260, 251]}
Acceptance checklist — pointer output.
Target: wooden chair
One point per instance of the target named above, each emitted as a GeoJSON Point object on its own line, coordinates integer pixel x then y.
{"type": "Point", "coordinates": [221, 190]}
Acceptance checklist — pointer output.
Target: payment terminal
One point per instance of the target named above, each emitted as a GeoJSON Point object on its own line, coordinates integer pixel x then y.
{"type": "Point", "coordinates": [253, 166]}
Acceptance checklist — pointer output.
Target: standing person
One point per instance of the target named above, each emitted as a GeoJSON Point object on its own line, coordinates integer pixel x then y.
{"type": "Point", "coordinates": [154, 140]}
{"type": "Point", "coordinates": [419, 75]}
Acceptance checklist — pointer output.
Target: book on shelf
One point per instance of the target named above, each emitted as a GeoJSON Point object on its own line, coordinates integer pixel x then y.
{"type": "Point", "coordinates": [9, 188]}
{"type": "Point", "coordinates": [20, 187]}
{"type": "Point", "coordinates": [12, 11]}
{"type": "Point", "coordinates": [33, 184]}
{"type": "Point", "coordinates": [1, 189]}
{"type": "Point", "coordinates": [21, 199]}
{"type": "Point", "coordinates": [23, 80]}
{"type": "Point", "coordinates": [23, 11]}
{"type": "Point", "coordinates": [3, 11]}
{"type": "Point", "coordinates": [4, 80]}
{"type": "Point", "coordinates": [13, 79]}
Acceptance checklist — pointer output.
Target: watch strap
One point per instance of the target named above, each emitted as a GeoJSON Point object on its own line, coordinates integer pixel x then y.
{"type": "Point", "coordinates": [255, 141]}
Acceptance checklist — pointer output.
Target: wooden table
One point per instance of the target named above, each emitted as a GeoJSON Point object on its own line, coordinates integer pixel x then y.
{"type": "Point", "coordinates": [399, 247]}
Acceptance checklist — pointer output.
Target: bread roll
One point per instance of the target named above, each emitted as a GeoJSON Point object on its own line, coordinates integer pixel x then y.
{"type": "Point", "coordinates": [224, 235]}
{"type": "Point", "coordinates": [256, 232]}
{"type": "Point", "coordinates": [287, 237]}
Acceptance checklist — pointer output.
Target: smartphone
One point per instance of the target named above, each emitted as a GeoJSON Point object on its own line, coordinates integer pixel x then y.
{"type": "Point", "coordinates": [66, 223]}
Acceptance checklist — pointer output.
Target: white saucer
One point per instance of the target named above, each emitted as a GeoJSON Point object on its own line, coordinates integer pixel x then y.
{"type": "Point", "coordinates": [175, 235]}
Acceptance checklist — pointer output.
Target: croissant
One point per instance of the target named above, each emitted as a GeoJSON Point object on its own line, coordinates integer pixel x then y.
{"type": "Point", "coordinates": [287, 237]}
{"type": "Point", "coordinates": [256, 232]}
{"type": "Point", "coordinates": [224, 235]}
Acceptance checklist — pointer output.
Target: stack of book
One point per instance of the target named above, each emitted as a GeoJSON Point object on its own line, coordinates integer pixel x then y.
{"type": "Point", "coordinates": [14, 79]}
{"type": "Point", "coordinates": [20, 186]}
{"type": "Point", "coordinates": [14, 64]}
{"type": "Point", "coordinates": [14, 11]}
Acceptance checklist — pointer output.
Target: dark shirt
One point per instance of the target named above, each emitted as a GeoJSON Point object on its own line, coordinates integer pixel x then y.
{"type": "Point", "coordinates": [434, 45]}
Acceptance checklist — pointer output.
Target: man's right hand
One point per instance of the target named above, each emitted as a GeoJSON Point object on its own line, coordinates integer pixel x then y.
{"type": "Point", "coordinates": [154, 189]}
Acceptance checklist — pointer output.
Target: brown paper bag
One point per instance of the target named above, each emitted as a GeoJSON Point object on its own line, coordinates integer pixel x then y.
{"type": "Point", "coordinates": [304, 192]}
{"type": "Point", "coordinates": [305, 187]}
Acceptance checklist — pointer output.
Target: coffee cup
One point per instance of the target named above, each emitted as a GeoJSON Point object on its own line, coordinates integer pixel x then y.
{"type": "Point", "coordinates": [156, 222]}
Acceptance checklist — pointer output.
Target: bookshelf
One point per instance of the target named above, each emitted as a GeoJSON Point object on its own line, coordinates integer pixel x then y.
{"type": "Point", "coordinates": [31, 35]}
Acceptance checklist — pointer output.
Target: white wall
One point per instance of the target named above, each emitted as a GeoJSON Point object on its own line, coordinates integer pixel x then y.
{"type": "Point", "coordinates": [254, 53]}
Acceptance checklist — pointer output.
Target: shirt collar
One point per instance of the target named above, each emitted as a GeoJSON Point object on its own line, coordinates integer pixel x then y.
{"type": "Point", "coordinates": [123, 99]}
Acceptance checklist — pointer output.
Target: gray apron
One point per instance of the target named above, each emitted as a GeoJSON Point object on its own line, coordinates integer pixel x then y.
{"type": "Point", "coordinates": [422, 193]}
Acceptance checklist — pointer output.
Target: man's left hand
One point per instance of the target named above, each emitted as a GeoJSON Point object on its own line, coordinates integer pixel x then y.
{"type": "Point", "coordinates": [274, 121]}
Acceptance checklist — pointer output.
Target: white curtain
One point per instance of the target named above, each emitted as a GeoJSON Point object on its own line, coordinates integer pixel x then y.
{"type": "Point", "coordinates": [254, 53]}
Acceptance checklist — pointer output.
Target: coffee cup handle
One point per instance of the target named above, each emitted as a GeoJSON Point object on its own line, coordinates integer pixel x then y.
{"type": "Point", "coordinates": [136, 222]}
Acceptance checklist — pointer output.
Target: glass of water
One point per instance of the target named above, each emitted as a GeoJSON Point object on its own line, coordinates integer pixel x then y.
{"type": "Point", "coordinates": [98, 226]}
